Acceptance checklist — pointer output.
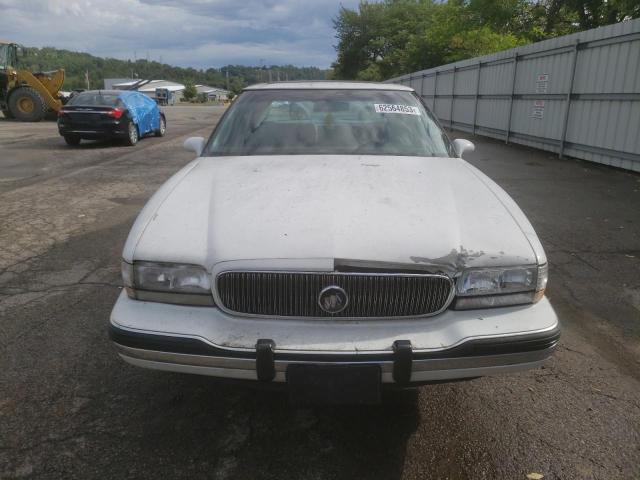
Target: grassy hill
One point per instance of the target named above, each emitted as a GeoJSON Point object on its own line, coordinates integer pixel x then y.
{"type": "Point", "coordinates": [77, 63]}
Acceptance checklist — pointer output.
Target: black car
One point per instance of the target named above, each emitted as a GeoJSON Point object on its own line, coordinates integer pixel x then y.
{"type": "Point", "coordinates": [110, 114]}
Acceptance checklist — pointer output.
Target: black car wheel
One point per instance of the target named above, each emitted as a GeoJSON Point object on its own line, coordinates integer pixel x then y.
{"type": "Point", "coordinates": [72, 139]}
{"type": "Point", "coordinates": [163, 127]}
{"type": "Point", "coordinates": [132, 134]}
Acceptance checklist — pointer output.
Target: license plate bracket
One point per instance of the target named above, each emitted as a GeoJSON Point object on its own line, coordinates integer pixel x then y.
{"type": "Point", "coordinates": [317, 384]}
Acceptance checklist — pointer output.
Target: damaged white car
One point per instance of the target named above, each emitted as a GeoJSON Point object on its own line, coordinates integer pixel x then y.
{"type": "Point", "coordinates": [329, 236]}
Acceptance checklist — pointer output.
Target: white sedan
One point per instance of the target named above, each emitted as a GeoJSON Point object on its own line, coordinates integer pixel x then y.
{"type": "Point", "coordinates": [330, 236]}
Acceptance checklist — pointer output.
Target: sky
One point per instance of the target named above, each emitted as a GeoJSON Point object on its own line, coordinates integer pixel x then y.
{"type": "Point", "coordinates": [186, 33]}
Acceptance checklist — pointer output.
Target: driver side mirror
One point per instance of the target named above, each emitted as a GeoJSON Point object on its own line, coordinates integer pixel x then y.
{"type": "Point", "coordinates": [461, 145]}
{"type": "Point", "coordinates": [194, 144]}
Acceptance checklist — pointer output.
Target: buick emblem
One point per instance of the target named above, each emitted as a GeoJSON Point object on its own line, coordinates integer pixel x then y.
{"type": "Point", "coordinates": [333, 299]}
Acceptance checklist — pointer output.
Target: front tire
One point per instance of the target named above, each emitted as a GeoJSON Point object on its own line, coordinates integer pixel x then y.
{"type": "Point", "coordinates": [72, 140]}
{"type": "Point", "coordinates": [163, 127]}
{"type": "Point", "coordinates": [27, 105]}
{"type": "Point", "coordinates": [132, 135]}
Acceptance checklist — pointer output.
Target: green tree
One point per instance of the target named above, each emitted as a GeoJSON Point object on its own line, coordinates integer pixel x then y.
{"type": "Point", "coordinates": [566, 16]}
{"type": "Point", "coordinates": [380, 40]}
{"type": "Point", "coordinates": [236, 85]}
{"type": "Point", "coordinates": [190, 92]}
{"type": "Point", "coordinates": [371, 40]}
{"type": "Point", "coordinates": [77, 63]}
{"type": "Point", "coordinates": [481, 41]}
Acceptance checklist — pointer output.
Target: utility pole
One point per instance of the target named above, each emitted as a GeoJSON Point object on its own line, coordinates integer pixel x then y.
{"type": "Point", "coordinates": [86, 77]}
{"type": "Point", "coordinates": [227, 72]}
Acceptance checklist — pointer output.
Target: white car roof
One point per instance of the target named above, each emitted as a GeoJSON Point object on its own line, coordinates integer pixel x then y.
{"type": "Point", "coordinates": [329, 85]}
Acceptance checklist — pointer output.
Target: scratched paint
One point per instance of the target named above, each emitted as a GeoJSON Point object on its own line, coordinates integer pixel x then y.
{"type": "Point", "coordinates": [436, 212]}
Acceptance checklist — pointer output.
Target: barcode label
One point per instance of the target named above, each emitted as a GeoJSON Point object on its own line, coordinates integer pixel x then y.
{"type": "Point", "coordinates": [388, 108]}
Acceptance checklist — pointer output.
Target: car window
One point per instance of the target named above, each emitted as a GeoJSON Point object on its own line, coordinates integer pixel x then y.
{"type": "Point", "coordinates": [94, 99]}
{"type": "Point", "coordinates": [4, 56]}
{"type": "Point", "coordinates": [359, 122]}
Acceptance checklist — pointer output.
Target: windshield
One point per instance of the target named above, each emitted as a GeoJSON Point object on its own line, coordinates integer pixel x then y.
{"type": "Point", "coordinates": [98, 99]}
{"type": "Point", "coordinates": [317, 122]}
{"type": "Point", "coordinates": [5, 61]}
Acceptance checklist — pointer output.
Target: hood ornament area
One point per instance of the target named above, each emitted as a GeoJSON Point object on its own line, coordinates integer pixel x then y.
{"type": "Point", "coordinates": [333, 299]}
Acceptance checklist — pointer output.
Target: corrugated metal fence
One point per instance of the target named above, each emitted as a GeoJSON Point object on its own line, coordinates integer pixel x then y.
{"type": "Point", "coordinates": [577, 95]}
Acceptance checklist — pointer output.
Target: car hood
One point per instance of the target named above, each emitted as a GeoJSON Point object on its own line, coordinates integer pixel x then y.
{"type": "Point", "coordinates": [436, 214]}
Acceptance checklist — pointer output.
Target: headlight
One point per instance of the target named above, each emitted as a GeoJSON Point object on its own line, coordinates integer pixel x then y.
{"type": "Point", "coordinates": [167, 282]}
{"type": "Point", "coordinates": [498, 287]}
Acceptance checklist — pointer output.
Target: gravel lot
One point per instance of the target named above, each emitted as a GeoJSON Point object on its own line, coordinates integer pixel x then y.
{"type": "Point", "coordinates": [69, 408]}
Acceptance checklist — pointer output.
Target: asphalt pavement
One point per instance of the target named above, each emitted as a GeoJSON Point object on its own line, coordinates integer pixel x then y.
{"type": "Point", "coordinates": [69, 408]}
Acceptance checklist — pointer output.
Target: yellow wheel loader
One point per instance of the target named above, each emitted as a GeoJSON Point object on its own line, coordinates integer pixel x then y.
{"type": "Point", "coordinates": [24, 95]}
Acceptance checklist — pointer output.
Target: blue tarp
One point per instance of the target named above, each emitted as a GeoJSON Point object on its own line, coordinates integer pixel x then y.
{"type": "Point", "coordinates": [143, 110]}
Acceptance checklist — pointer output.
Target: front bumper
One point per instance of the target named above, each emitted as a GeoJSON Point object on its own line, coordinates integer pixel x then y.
{"type": "Point", "coordinates": [453, 345]}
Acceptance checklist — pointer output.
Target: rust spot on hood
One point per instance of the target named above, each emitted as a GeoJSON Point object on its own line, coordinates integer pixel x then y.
{"type": "Point", "coordinates": [455, 260]}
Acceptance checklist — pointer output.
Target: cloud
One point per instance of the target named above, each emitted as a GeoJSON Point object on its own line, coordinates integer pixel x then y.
{"type": "Point", "coordinates": [195, 33]}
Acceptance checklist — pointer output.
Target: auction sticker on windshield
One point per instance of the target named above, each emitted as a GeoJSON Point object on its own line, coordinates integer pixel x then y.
{"type": "Point", "coordinates": [388, 108]}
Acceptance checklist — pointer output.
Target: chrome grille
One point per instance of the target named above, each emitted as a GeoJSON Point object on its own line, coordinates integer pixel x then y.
{"type": "Point", "coordinates": [295, 294]}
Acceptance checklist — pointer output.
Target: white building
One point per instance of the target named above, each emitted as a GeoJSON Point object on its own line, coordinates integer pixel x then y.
{"type": "Point", "coordinates": [148, 87]}
{"type": "Point", "coordinates": [213, 94]}
{"type": "Point", "coordinates": [175, 90]}
{"type": "Point", "coordinates": [110, 82]}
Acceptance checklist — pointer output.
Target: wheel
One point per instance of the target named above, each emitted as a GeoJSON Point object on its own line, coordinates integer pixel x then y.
{"type": "Point", "coordinates": [27, 105]}
{"type": "Point", "coordinates": [72, 139]}
{"type": "Point", "coordinates": [132, 136]}
{"type": "Point", "coordinates": [7, 114]}
{"type": "Point", "coordinates": [163, 127]}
